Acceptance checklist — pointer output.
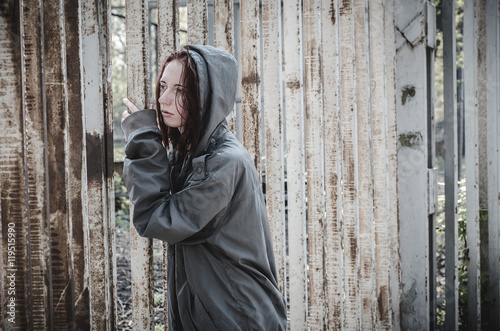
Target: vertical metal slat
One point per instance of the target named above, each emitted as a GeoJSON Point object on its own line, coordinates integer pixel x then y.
{"type": "Point", "coordinates": [224, 37]}
{"type": "Point", "coordinates": [168, 41]}
{"type": "Point", "coordinates": [392, 165]}
{"type": "Point", "coordinates": [350, 215]}
{"type": "Point", "coordinates": [412, 103]}
{"type": "Point", "coordinates": [95, 55]}
{"type": "Point", "coordinates": [57, 154]}
{"type": "Point", "coordinates": [493, 127]}
{"type": "Point", "coordinates": [333, 152]}
{"type": "Point", "coordinates": [315, 163]}
{"type": "Point", "coordinates": [250, 81]}
{"type": "Point", "coordinates": [197, 18]}
{"type": "Point", "coordinates": [37, 217]}
{"type": "Point", "coordinates": [365, 168]}
{"type": "Point", "coordinates": [380, 169]}
{"type": "Point", "coordinates": [272, 92]}
{"type": "Point", "coordinates": [472, 166]}
{"type": "Point", "coordinates": [450, 159]}
{"type": "Point", "coordinates": [138, 92]}
{"type": "Point", "coordinates": [76, 163]}
{"type": "Point", "coordinates": [14, 206]}
{"type": "Point", "coordinates": [295, 161]}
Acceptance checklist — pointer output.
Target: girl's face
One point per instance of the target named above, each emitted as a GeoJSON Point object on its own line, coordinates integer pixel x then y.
{"type": "Point", "coordinates": [172, 110]}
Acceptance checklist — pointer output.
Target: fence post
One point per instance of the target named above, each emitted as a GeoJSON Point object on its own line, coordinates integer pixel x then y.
{"type": "Point", "coordinates": [96, 55]}
{"type": "Point", "coordinates": [392, 166]}
{"type": "Point", "coordinates": [137, 26]}
{"type": "Point", "coordinates": [450, 164]}
{"type": "Point", "coordinates": [416, 178]}
{"type": "Point", "coordinates": [168, 41]}
{"type": "Point", "coordinates": [472, 164]}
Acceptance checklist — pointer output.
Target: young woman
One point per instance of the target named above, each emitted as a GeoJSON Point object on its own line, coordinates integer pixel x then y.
{"type": "Point", "coordinates": [204, 199]}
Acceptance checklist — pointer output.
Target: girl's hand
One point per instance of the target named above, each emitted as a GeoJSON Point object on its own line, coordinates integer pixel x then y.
{"type": "Point", "coordinates": [131, 108]}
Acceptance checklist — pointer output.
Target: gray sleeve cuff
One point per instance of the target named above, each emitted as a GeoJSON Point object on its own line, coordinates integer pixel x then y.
{"type": "Point", "coordinates": [139, 120]}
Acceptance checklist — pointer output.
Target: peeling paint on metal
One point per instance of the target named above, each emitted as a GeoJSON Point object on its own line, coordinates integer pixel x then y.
{"type": "Point", "coordinates": [250, 83]}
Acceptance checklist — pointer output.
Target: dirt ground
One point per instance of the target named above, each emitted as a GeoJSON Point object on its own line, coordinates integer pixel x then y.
{"type": "Point", "coordinates": [124, 304]}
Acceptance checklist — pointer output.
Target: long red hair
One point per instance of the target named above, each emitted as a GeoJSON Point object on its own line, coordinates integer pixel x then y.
{"type": "Point", "coordinates": [191, 104]}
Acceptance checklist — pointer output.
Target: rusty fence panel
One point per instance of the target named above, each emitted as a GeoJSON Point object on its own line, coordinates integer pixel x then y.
{"type": "Point", "coordinates": [14, 200]}
{"type": "Point", "coordinates": [35, 118]}
{"type": "Point", "coordinates": [55, 116]}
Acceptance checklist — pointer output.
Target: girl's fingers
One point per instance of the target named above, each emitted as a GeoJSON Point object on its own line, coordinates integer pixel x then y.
{"type": "Point", "coordinates": [131, 107]}
{"type": "Point", "coordinates": [125, 115]}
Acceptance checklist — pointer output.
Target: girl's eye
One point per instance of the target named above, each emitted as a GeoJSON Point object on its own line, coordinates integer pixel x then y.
{"type": "Point", "coordinates": [179, 90]}
{"type": "Point", "coordinates": [162, 87]}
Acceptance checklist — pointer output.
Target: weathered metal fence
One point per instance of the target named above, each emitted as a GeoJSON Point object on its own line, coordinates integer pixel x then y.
{"type": "Point", "coordinates": [336, 110]}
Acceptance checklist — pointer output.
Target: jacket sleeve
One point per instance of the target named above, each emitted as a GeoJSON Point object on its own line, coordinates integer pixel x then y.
{"type": "Point", "coordinates": [185, 217]}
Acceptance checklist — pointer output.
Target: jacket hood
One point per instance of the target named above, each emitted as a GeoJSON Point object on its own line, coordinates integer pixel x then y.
{"type": "Point", "coordinates": [217, 76]}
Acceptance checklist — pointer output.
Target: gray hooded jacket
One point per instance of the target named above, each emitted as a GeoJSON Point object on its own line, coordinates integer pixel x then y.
{"type": "Point", "coordinates": [210, 210]}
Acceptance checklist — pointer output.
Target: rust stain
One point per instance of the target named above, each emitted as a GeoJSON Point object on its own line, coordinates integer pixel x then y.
{"type": "Point", "coordinates": [251, 78]}
{"type": "Point", "coordinates": [95, 144]}
{"type": "Point", "coordinates": [345, 7]}
{"type": "Point", "coordinates": [382, 304]}
{"type": "Point", "coordinates": [353, 240]}
{"type": "Point", "coordinates": [293, 85]}
{"type": "Point", "coordinates": [410, 139]}
{"type": "Point", "coordinates": [407, 93]}
{"type": "Point", "coordinates": [332, 11]}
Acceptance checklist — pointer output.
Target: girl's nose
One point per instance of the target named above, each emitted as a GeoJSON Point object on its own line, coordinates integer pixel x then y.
{"type": "Point", "coordinates": [165, 99]}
